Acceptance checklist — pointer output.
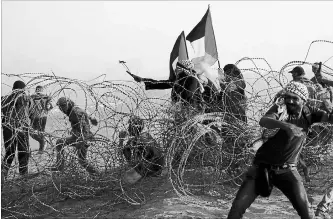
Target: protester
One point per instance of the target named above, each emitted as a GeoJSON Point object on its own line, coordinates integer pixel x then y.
{"type": "Point", "coordinates": [324, 88]}
{"type": "Point", "coordinates": [80, 134]}
{"type": "Point", "coordinates": [319, 78]}
{"type": "Point", "coordinates": [141, 152]}
{"type": "Point", "coordinates": [15, 123]}
{"type": "Point", "coordinates": [232, 97]}
{"type": "Point", "coordinates": [40, 105]}
{"type": "Point", "coordinates": [275, 161]}
{"type": "Point", "coordinates": [185, 87]}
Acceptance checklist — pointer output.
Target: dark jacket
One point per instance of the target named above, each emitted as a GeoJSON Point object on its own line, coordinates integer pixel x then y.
{"type": "Point", "coordinates": [14, 109]}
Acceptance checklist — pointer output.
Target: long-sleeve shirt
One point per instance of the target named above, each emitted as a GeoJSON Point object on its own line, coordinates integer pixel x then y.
{"type": "Point", "coordinates": [79, 120]}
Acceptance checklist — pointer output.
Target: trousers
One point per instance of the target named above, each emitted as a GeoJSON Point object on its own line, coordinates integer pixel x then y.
{"type": "Point", "coordinates": [288, 181]}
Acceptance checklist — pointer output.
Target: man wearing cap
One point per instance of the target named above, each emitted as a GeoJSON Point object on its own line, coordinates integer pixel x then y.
{"type": "Point", "coordinates": [39, 108]}
{"type": "Point", "coordinates": [80, 134]}
{"type": "Point", "coordinates": [275, 161]}
{"type": "Point", "coordinates": [15, 123]}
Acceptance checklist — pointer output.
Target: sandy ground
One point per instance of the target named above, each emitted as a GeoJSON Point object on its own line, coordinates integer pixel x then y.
{"type": "Point", "coordinates": [161, 201]}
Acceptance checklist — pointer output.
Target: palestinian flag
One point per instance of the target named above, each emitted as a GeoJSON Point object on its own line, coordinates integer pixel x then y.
{"type": "Point", "coordinates": [179, 52]}
{"type": "Point", "coordinates": [202, 39]}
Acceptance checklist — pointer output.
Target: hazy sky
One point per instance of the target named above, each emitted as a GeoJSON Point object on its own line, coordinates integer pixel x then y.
{"type": "Point", "coordinates": [83, 39]}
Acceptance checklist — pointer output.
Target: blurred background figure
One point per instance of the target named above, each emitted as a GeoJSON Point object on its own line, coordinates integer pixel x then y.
{"type": "Point", "coordinates": [15, 123]}
{"type": "Point", "coordinates": [40, 105]}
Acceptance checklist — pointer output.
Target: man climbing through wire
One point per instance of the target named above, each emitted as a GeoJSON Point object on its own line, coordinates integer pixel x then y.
{"type": "Point", "coordinates": [275, 161]}
{"type": "Point", "coordinates": [15, 124]}
{"type": "Point", "coordinates": [39, 108]}
{"type": "Point", "coordinates": [80, 135]}
{"type": "Point", "coordinates": [141, 152]}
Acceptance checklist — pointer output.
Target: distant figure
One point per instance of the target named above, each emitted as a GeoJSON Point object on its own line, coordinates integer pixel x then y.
{"type": "Point", "coordinates": [80, 135]}
{"type": "Point", "coordinates": [232, 96]}
{"type": "Point", "coordinates": [141, 152]}
{"type": "Point", "coordinates": [319, 78]}
{"type": "Point", "coordinates": [39, 108]}
{"type": "Point", "coordinates": [325, 205]}
{"type": "Point", "coordinates": [325, 88]}
{"type": "Point", "coordinates": [15, 123]}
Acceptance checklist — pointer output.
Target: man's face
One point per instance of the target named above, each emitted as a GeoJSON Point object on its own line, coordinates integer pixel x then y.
{"type": "Point", "coordinates": [315, 68]}
{"type": "Point", "coordinates": [293, 102]}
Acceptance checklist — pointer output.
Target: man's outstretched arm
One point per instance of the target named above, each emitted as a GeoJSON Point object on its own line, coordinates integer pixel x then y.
{"type": "Point", "coordinates": [152, 84]}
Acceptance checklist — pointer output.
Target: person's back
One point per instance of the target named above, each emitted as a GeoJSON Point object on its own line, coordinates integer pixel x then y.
{"type": "Point", "coordinates": [15, 123]}
{"type": "Point", "coordinates": [79, 120]}
{"type": "Point", "coordinates": [14, 108]}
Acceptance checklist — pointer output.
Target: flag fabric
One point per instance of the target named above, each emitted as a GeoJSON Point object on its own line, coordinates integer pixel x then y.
{"type": "Point", "coordinates": [202, 39]}
{"type": "Point", "coordinates": [179, 52]}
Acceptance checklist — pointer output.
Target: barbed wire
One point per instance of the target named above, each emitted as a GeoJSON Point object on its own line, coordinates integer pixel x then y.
{"type": "Point", "coordinates": [195, 144]}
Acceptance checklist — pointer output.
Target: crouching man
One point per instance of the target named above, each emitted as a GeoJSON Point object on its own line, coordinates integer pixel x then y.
{"type": "Point", "coordinates": [81, 133]}
{"type": "Point", "coordinates": [141, 152]}
{"type": "Point", "coordinates": [275, 161]}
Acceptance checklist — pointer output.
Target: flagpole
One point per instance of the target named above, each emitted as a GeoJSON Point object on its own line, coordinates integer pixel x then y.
{"type": "Point", "coordinates": [185, 44]}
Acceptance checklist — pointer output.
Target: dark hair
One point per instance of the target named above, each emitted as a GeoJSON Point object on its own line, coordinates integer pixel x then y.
{"type": "Point", "coordinates": [18, 85]}
{"type": "Point", "coordinates": [231, 70]}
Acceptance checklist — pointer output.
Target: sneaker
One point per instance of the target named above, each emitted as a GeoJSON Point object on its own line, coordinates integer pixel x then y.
{"type": "Point", "coordinates": [322, 215]}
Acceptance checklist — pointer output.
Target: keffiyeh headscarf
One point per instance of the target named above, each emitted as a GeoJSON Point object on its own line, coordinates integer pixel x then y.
{"type": "Point", "coordinates": [299, 89]}
{"type": "Point", "coordinates": [185, 66]}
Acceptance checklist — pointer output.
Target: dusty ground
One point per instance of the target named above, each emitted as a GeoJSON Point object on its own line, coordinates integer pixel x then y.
{"type": "Point", "coordinates": [158, 198]}
{"type": "Point", "coordinates": [161, 201]}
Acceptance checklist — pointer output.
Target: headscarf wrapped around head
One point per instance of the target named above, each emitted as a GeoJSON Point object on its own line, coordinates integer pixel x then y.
{"type": "Point", "coordinates": [299, 89]}
{"type": "Point", "coordinates": [185, 66]}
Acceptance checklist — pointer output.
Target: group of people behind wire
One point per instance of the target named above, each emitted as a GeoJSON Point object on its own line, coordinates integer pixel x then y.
{"type": "Point", "coordinates": [274, 163]}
